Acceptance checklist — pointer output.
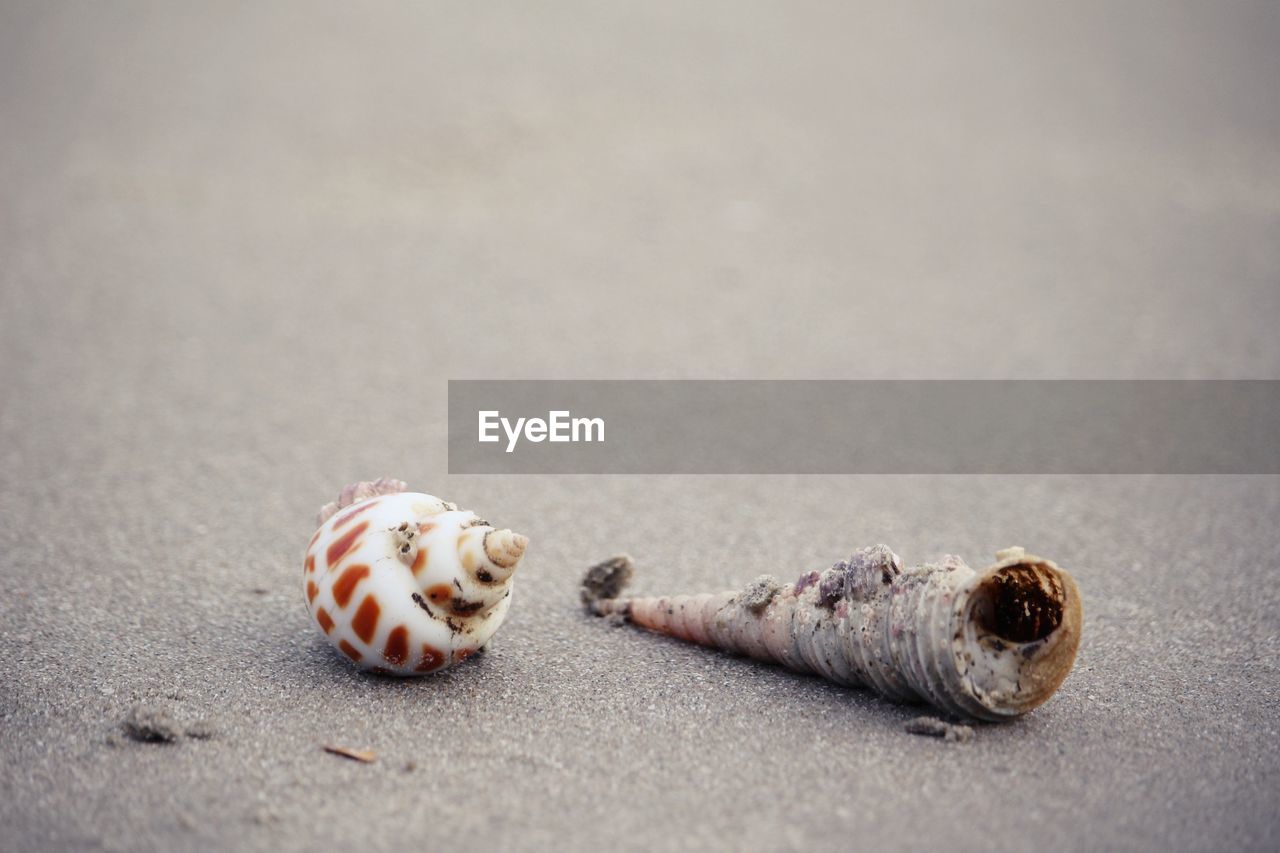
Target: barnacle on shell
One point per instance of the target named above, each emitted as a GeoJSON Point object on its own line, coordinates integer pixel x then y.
{"type": "Point", "coordinates": [406, 583]}
{"type": "Point", "coordinates": [990, 645]}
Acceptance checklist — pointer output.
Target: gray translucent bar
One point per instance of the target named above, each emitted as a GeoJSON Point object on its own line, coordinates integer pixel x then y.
{"type": "Point", "coordinates": [870, 427]}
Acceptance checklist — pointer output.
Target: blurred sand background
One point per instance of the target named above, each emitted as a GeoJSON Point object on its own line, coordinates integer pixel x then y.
{"type": "Point", "coordinates": [243, 246]}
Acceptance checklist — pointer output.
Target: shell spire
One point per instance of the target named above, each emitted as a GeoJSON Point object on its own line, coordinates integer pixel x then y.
{"type": "Point", "coordinates": [406, 583]}
{"type": "Point", "coordinates": [989, 645]}
{"type": "Point", "coordinates": [504, 548]}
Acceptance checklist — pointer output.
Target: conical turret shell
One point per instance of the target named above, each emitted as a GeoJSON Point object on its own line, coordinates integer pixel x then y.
{"type": "Point", "coordinates": [990, 645]}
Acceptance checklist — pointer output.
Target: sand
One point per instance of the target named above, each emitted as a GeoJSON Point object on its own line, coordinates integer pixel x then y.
{"type": "Point", "coordinates": [242, 249]}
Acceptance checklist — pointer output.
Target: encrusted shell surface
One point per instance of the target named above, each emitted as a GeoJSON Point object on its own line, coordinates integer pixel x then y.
{"type": "Point", "coordinates": [406, 583]}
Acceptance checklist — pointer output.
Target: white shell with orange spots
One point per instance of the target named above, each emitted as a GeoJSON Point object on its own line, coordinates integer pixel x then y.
{"type": "Point", "coordinates": [408, 584]}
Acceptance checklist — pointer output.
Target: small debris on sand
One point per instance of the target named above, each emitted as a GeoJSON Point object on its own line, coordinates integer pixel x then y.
{"type": "Point", "coordinates": [265, 816]}
{"type": "Point", "coordinates": [934, 727]}
{"type": "Point", "coordinates": [363, 756]}
{"type": "Point", "coordinates": [150, 724]}
{"type": "Point", "coordinates": [201, 730]}
{"type": "Point", "coordinates": [605, 580]}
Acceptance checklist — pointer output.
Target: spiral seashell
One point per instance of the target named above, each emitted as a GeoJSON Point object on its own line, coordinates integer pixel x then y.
{"type": "Point", "coordinates": [406, 583]}
{"type": "Point", "coordinates": [990, 645]}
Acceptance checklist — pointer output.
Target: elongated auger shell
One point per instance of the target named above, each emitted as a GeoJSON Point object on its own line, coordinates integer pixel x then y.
{"type": "Point", "coordinates": [405, 583]}
{"type": "Point", "coordinates": [989, 645]}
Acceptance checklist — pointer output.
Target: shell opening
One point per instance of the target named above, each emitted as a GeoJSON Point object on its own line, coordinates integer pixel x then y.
{"type": "Point", "coordinates": [1018, 635]}
{"type": "Point", "coordinates": [1021, 603]}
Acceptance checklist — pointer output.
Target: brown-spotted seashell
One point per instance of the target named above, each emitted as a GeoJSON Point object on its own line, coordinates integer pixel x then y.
{"type": "Point", "coordinates": [404, 582]}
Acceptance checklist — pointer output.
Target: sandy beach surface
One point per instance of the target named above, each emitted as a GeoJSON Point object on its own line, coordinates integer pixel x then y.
{"type": "Point", "coordinates": [243, 247]}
